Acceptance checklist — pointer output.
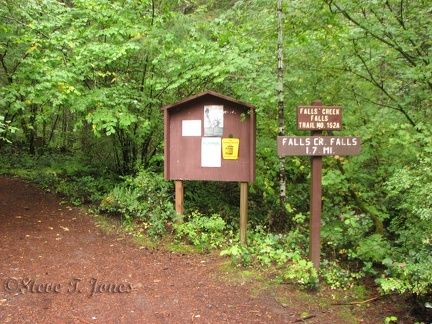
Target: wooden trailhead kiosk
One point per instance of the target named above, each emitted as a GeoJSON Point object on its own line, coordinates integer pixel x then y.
{"type": "Point", "coordinates": [317, 118]}
{"type": "Point", "coordinates": [210, 137]}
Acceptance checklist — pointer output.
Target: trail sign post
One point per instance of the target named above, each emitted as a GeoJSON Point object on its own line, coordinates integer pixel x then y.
{"type": "Point", "coordinates": [317, 118]}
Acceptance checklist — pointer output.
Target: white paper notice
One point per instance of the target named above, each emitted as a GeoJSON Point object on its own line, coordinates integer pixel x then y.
{"type": "Point", "coordinates": [213, 120]}
{"type": "Point", "coordinates": [191, 127]}
{"type": "Point", "coordinates": [211, 152]}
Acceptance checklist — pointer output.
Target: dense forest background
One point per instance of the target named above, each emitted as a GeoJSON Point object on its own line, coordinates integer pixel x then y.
{"type": "Point", "coordinates": [82, 83]}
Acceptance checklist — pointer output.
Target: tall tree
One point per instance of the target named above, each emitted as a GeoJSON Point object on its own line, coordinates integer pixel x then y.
{"type": "Point", "coordinates": [279, 220]}
{"type": "Point", "coordinates": [33, 85]}
{"type": "Point", "coordinates": [390, 48]}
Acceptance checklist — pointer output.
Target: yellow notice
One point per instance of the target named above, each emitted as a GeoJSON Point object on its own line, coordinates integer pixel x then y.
{"type": "Point", "coordinates": [230, 148]}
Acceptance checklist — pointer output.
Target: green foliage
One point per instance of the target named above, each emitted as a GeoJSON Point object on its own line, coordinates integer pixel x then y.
{"type": "Point", "coordinates": [409, 200]}
{"type": "Point", "coordinates": [265, 249]}
{"type": "Point", "coordinates": [338, 277]}
{"type": "Point", "coordinates": [302, 273]}
{"type": "Point", "coordinates": [412, 186]}
{"type": "Point", "coordinates": [373, 248]}
{"type": "Point", "coordinates": [212, 197]}
{"type": "Point", "coordinates": [145, 197]}
{"type": "Point", "coordinates": [391, 319]}
{"type": "Point", "coordinates": [207, 232]}
{"type": "Point", "coordinates": [341, 237]}
{"type": "Point", "coordinates": [383, 34]}
{"type": "Point", "coordinates": [284, 251]}
{"type": "Point", "coordinates": [83, 189]}
{"type": "Point", "coordinates": [5, 129]}
{"type": "Point", "coordinates": [68, 176]}
{"type": "Point", "coordinates": [411, 276]}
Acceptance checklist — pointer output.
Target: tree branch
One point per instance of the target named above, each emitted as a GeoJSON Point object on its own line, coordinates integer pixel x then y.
{"type": "Point", "coordinates": [395, 46]}
{"type": "Point", "coordinates": [382, 88]}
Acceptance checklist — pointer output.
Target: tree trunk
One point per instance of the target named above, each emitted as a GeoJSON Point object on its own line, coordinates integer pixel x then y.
{"type": "Point", "coordinates": [278, 222]}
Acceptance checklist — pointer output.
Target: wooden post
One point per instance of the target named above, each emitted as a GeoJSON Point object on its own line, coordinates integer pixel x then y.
{"type": "Point", "coordinates": [243, 211]}
{"type": "Point", "coordinates": [315, 204]}
{"type": "Point", "coordinates": [315, 211]}
{"type": "Point", "coordinates": [179, 199]}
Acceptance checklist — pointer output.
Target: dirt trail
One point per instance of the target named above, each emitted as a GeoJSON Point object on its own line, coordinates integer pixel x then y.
{"type": "Point", "coordinates": [58, 267]}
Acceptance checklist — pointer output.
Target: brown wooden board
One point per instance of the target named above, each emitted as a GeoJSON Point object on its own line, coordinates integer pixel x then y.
{"type": "Point", "coordinates": [188, 142]}
{"type": "Point", "coordinates": [319, 118]}
{"type": "Point", "coordinates": [318, 145]}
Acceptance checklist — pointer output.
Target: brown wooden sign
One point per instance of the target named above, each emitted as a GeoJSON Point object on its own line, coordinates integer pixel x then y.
{"type": "Point", "coordinates": [318, 145]}
{"type": "Point", "coordinates": [319, 118]}
{"type": "Point", "coordinates": [196, 130]}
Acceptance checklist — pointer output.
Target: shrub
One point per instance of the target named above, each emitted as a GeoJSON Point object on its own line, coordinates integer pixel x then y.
{"type": "Point", "coordinates": [204, 231]}
{"type": "Point", "coordinates": [145, 197]}
{"type": "Point", "coordinates": [302, 273]}
{"type": "Point", "coordinates": [265, 249]}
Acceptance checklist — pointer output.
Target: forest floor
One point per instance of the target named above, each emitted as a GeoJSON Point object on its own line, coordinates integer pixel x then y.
{"type": "Point", "coordinates": [59, 266]}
